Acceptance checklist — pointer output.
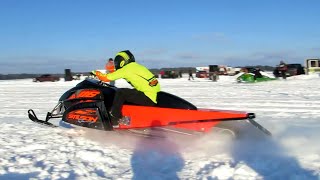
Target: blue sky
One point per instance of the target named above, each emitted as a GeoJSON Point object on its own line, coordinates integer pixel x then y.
{"type": "Point", "coordinates": [39, 36]}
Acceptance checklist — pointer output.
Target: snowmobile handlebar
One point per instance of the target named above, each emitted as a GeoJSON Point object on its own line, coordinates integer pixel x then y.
{"type": "Point", "coordinates": [101, 83]}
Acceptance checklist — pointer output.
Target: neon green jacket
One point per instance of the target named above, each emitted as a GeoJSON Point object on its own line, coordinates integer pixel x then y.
{"type": "Point", "coordinates": [139, 77]}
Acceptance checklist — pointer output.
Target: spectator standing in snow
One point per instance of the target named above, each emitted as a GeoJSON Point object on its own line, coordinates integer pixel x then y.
{"type": "Point", "coordinates": [283, 69]}
{"type": "Point", "coordinates": [190, 75]}
{"type": "Point", "coordinates": [110, 69]}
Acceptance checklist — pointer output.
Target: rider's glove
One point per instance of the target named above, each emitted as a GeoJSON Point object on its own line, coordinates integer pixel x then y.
{"type": "Point", "coordinates": [93, 72]}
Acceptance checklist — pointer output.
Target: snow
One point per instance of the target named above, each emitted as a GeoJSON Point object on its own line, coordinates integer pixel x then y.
{"type": "Point", "coordinates": [290, 109]}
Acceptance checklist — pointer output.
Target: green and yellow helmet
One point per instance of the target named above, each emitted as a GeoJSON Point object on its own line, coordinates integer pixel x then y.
{"type": "Point", "coordinates": [123, 58]}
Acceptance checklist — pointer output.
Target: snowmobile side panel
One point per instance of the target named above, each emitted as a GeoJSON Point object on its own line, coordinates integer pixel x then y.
{"type": "Point", "coordinates": [143, 116]}
{"type": "Point", "coordinates": [202, 127]}
{"type": "Point", "coordinates": [88, 114]}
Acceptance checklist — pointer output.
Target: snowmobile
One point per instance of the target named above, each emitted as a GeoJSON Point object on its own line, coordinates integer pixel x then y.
{"type": "Point", "coordinates": [252, 78]}
{"type": "Point", "coordinates": [89, 102]}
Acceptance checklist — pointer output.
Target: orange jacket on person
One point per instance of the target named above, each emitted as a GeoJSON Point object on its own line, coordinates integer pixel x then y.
{"type": "Point", "coordinates": [110, 66]}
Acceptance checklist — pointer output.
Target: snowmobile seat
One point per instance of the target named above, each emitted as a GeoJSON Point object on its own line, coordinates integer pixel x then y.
{"type": "Point", "coordinates": [167, 100]}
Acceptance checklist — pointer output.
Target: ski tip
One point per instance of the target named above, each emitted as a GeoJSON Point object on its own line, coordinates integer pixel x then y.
{"type": "Point", "coordinates": [34, 118]}
{"type": "Point", "coordinates": [32, 115]}
{"type": "Point", "coordinates": [257, 125]}
{"type": "Point", "coordinates": [251, 116]}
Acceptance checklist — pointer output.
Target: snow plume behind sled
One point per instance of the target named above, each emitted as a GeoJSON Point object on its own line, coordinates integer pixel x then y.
{"type": "Point", "coordinates": [89, 102]}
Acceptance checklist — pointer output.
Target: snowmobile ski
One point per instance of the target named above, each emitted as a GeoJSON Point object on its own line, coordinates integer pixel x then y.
{"type": "Point", "coordinates": [33, 117]}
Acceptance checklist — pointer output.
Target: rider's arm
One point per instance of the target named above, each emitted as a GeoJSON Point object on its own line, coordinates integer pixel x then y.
{"type": "Point", "coordinates": [111, 76]}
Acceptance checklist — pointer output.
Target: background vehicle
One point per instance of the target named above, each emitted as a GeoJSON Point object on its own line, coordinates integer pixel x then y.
{"type": "Point", "coordinates": [312, 66]}
{"type": "Point", "coordinates": [202, 74]}
{"type": "Point", "coordinates": [295, 69]}
{"type": "Point", "coordinates": [46, 77]}
{"type": "Point", "coordinates": [170, 74]}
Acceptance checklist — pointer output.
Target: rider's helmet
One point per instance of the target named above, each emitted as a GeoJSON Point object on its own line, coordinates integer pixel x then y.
{"type": "Point", "coordinates": [123, 58]}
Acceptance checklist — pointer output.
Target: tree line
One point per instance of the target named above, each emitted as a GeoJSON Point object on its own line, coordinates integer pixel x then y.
{"type": "Point", "coordinates": [155, 71]}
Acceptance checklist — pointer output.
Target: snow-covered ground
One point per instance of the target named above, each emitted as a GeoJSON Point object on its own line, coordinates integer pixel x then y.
{"type": "Point", "coordinates": [290, 109]}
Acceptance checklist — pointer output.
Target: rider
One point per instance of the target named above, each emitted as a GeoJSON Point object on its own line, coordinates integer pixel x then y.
{"type": "Point", "coordinates": [145, 84]}
{"type": "Point", "coordinates": [257, 73]}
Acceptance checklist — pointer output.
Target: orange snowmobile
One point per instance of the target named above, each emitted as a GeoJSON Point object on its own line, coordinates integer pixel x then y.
{"type": "Point", "coordinates": [89, 102]}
